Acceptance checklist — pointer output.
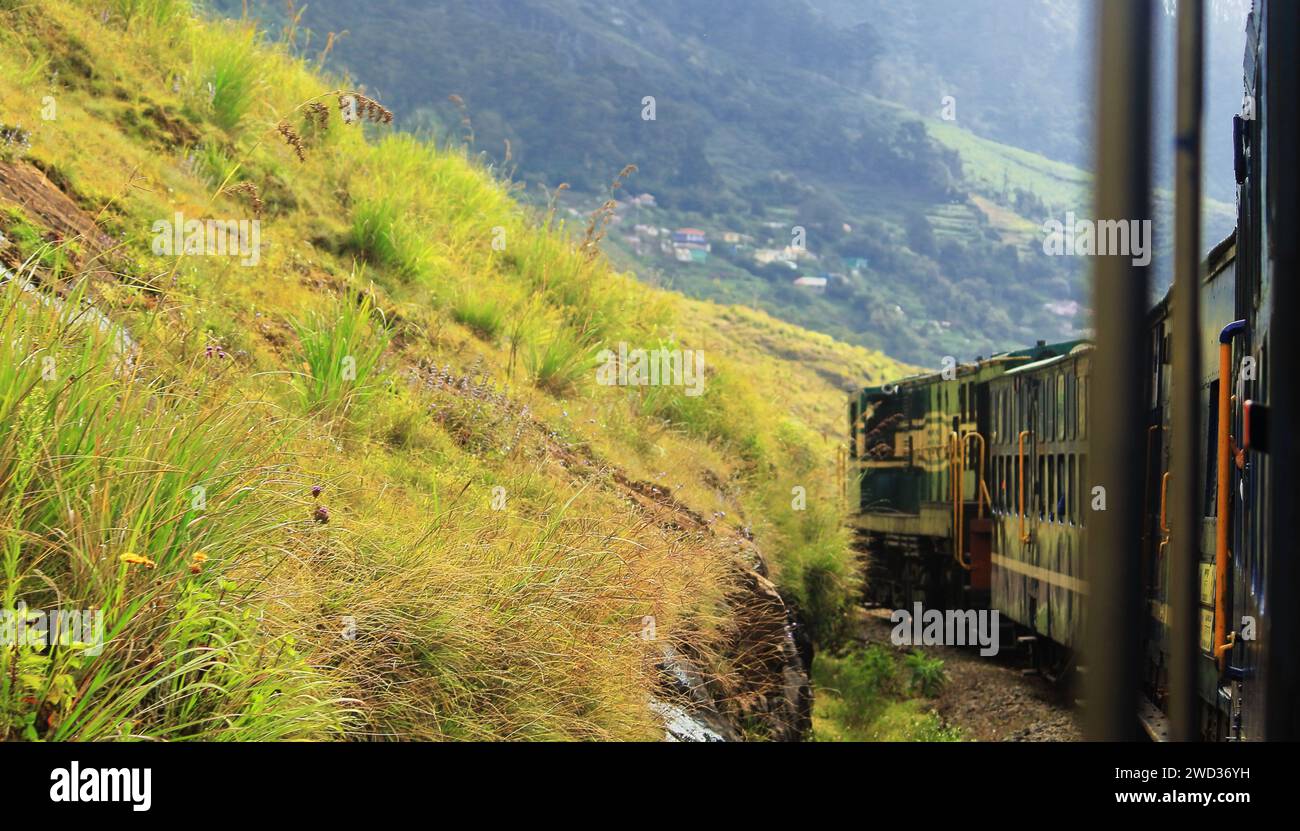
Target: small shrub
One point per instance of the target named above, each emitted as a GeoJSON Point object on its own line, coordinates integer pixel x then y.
{"type": "Point", "coordinates": [340, 352]}
{"type": "Point", "coordinates": [864, 681]}
{"type": "Point", "coordinates": [869, 695]}
{"type": "Point", "coordinates": [381, 234]}
{"type": "Point", "coordinates": [481, 312]}
{"type": "Point", "coordinates": [228, 62]}
{"type": "Point", "coordinates": [153, 13]}
{"type": "Point", "coordinates": [928, 675]}
{"type": "Point", "coordinates": [559, 361]}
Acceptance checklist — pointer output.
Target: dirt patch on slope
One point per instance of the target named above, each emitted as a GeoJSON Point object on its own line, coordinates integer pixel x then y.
{"type": "Point", "coordinates": [56, 213]}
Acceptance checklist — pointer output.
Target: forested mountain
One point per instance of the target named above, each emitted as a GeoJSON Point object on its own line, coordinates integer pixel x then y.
{"type": "Point", "coordinates": [767, 123]}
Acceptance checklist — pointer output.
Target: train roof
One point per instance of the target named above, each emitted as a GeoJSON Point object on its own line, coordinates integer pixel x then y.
{"type": "Point", "coordinates": [1082, 348]}
{"type": "Point", "coordinates": [1219, 258]}
{"type": "Point", "coordinates": [1029, 355]}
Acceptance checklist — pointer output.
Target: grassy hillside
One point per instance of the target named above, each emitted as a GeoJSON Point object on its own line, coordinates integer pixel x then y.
{"type": "Point", "coordinates": [366, 483]}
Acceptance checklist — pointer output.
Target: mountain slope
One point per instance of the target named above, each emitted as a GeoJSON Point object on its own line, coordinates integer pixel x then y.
{"type": "Point", "coordinates": [350, 471]}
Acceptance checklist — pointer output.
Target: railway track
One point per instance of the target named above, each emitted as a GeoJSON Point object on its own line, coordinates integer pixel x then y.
{"type": "Point", "coordinates": [990, 699]}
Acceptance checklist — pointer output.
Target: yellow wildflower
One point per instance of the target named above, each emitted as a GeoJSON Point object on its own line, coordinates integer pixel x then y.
{"type": "Point", "coordinates": [137, 560]}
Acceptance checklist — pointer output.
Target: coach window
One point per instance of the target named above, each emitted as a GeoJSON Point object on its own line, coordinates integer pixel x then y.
{"type": "Point", "coordinates": [1006, 415]}
{"type": "Point", "coordinates": [1063, 489]}
{"type": "Point", "coordinates": [1056, 407]}
{"type": "Point", "coordinates": [1054, 506]}
{"type": "Point", "coordinates": [1009, 416]}
{"type": "Point", "coordinates": [1084, 493]}
{"type": "Point", "coordinates": [1004, 484]}
{"type": "Point", "coordinates": [1211, 457]}
{"type": "Point", "coordinates": [1008, 495]}
{"type": "Point", "coordinates": [1072, 396]}
{"type": "Point", "coordinates": [1013, 492]}
{"type": "Point", "coordinates": [1048, 469]}
{"type": "Point", "coordinates": [998, 411]}
{"type": "Point", "coordinates": [1040, 497]}
{"type": "Point", "coordinates": [1039, 420]}
{"type": "Point", "coordinates": [1081, 406]}
{"type": "Point", "coordinates": [1013, 486]}
{"type": "Point", "coordinates": [1049, 488]}
{"type": "Point", "coordinates": [1041, 432]}
{"type": "Point", "coordinates": [996, 505]}
{"type": "Point", "coordinates": [997, 484]}
{"type": "Point", "coordinates": [1072, 498]}
{"type": "Point", "coordinates": [1049, 409]}
{"type": "Point", "coordinates": [1060, 407]}
{"type": "Point", "coordinates": [1069, 403]}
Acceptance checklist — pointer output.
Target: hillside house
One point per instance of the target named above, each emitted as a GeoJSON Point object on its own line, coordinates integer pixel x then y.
{"type": "Point", "coordinates": [690, 236]}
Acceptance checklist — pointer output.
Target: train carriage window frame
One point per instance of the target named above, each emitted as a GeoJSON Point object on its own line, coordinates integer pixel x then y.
{"type": "Point", "coordinates": [1013, 495]}
{"type": "Point", "coordinates": [1072, 503]}
{"type": "Point", "coordinates": [1085, 493]}
{"type": "Point", "coordinates": [1049, 489]}
{"type": "Point", "coordinates": [1039, 484]}
{"type": "Point", "coordinates": [1045, 407]}
{"type": "Point", "coordinates": [997, 485]}
{"type": "Point", "coordinates": [1063, 489]}
{"type": "Point", "coordinates": [1059, 410]}
{"type": "Point", "coordinates": [1002, 482]}
{"type": "Point", "coordinates": [1069, 402]}
{"type": "Point", "coordinates": [1210, 506]}
{"type": "Point", "coordinates": [1081, 408]}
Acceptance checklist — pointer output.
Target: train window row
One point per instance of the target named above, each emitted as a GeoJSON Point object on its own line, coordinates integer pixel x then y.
{"type": "Point", "coordinates": [1055, 408]}
{"type": "Point", "coordinates": [1054, 486]}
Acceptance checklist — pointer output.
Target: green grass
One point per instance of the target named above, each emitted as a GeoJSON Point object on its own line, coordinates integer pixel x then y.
{"type": "Point", "coordinates": [482, 312]}
{"type": "Point", "coordinates": [558, 360]}
{"type": "Point", "coordinates": [870, 695]}
{"type": "Point", "coordinates": [228, 70]}
{"type": "Point", "coordinates": [381, 233]}
{"type": "Point", "coordinates": [154, 14]}
{"type": "Point", "coordinates": [140, 500]}
{"type": "Point", "coordinates": [341, 349]}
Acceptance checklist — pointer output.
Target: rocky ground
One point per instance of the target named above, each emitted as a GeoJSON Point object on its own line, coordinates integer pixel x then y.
{"type": "Point", "coordinates": [990, 699]}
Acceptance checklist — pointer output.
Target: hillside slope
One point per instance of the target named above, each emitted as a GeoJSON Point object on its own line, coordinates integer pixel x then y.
{"type": "Point", "coordinates": [351, 471]}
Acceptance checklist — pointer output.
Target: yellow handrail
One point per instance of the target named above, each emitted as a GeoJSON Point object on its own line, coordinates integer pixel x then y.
{"type": "Point", "coordinates": [957, 552]}
{"type": "Point", "coordinates": [1222, 507]}
{"type": "Point", "coordinates": [983, 491]}
{"type": "Point", "coordinates": [955, 477]}
{"type": "Point", "coordinates": [1020, 444]}
{"type": "Point", "coordinates": [1223, 640]}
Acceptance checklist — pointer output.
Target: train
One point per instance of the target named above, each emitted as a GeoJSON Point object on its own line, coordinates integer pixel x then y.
{"type": "Point", "coordinates": [971, 485]}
